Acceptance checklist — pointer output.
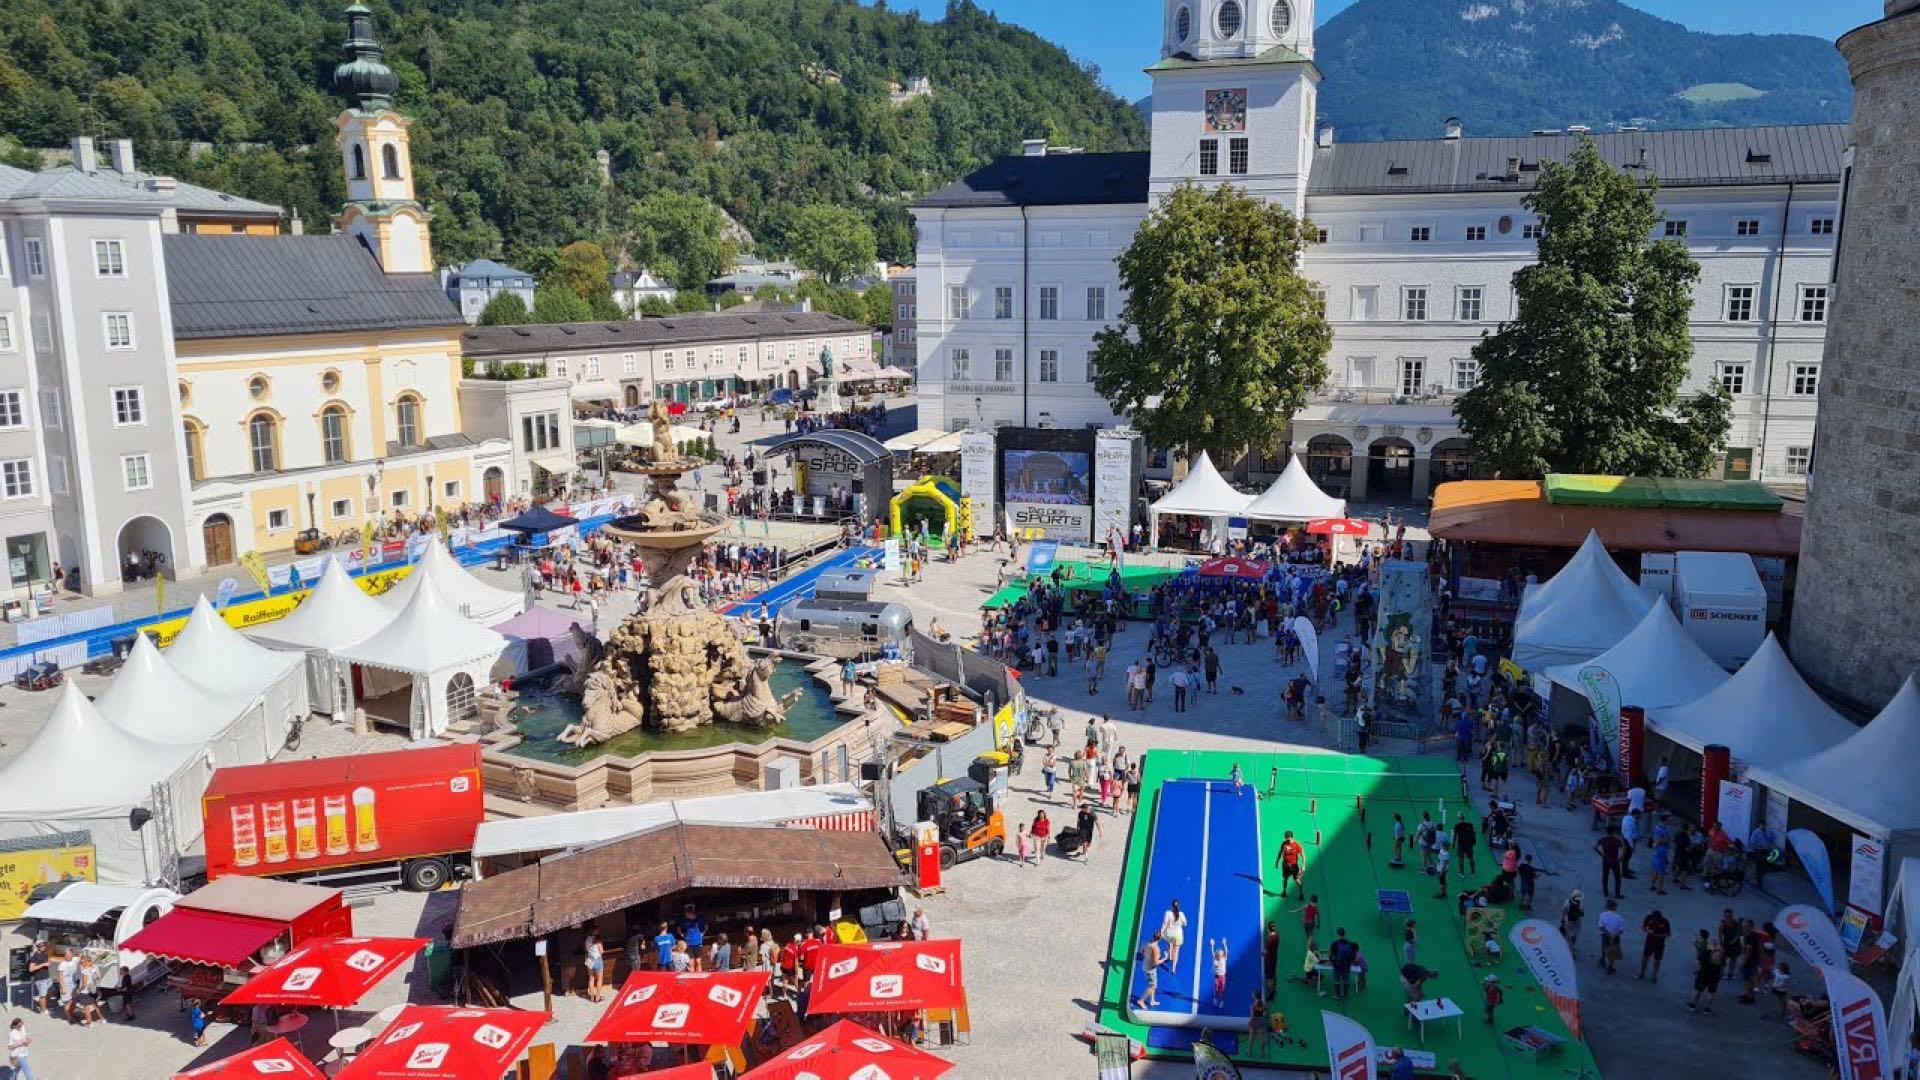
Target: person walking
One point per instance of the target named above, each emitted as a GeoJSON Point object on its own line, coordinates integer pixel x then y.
{"type": "Point", "coordinates": [596, 965]}
{"type": "Point", "coordinates": [18, 1043]}
{"type": "Point", "coordinates": [1173, 931]}
{"type": "Point", "coordinates": [1656, 930]}
{"type": "Point", "coordinates": [1021, 846]}
{"type": "Point", "coordinates": [1049, 769]}
{"type": "Point", "coordinates": [1491, 995]}
{"type": "Point", "coordinates": [1341, 954]}
{"type": "Point", "coordinates": [1612, 851]}
{"type": "Point", "coordinates": [1179, 681]}
{"type": "Point", "coordinates": [1572, 913]}
{"type": "Point", "coordinates": [1463, 841]}
{"type": "Point", "coordinates": [1442, 855]}
{"type": "Point", "coordinates": [1150, 961]}
{"type": "Point", "coordinates": [1709, 963]}
{"type": "Point", "coordinates": [1210, 663]}
{"type": "Point", "coordinates": [1613, 927]}
{"type": "Point", "coordinates": [1270, 957]}
{"type": "Point", "coordinates": [1289, 863]}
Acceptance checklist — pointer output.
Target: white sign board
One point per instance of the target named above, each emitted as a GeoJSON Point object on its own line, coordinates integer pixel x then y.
{"type": "Point", "coordinates": [1866, 881]}
{"type": "Point", "coordinates": [1055, 521]}
{"type": "Point", "coordinates": [827, 468]}
{"type": "Point", "coordinates": [977, 480]}
{"type": "Point", "coordinates": [1736, 809]}
{"type": "Point", "coordinates": [1113, 484]}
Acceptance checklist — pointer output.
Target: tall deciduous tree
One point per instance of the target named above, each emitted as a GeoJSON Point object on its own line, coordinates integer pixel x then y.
{"type": "Point", "coordinates": [1221, 339]}
{"type": "Point", "coordinates": [832, 241]}
{"type": "Point", "coordinates": [1587, 377]}
{"type": "Point", "coordinates": [505, 309]}
{"type": "Point", "coordinates": [582, 268]}
{"type": "Point", "coordinates": [683, 238]}
{"type": "Point", "coordinates": [558, 304]}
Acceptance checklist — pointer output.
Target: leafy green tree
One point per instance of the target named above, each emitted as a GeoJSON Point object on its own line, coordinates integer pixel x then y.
{"type": "Point", "coordinates": [688, 301]}
{"type": "Point", "coordinates": [582, 268]}
{"type": "Point", "coordinates": [732, 299]}
{"type": "Point", "coordinates": [558, 304]}
{"type": "Point", "coordinates": [656, 306]}
{"type": "Point", "coordinates": [878, 301]}
{"type": "Point", "coordinates": [832, 241]}
{"type": "Point", "coordinates": [505, 309]}
{"type": "Point", "coordinates": [1587, 377]}
{"type": "Point", "coordinates": [1221, 339]}
{"type": "Point", "coordinates": [681, 237]}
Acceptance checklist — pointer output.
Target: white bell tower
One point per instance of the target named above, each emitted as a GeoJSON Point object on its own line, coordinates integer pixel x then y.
{"type": "Point", "coordinates": [1234, 96]}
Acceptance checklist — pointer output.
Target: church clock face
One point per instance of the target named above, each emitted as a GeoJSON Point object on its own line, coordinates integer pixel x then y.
{"type": "Point", "coordinates": [1227, 110]}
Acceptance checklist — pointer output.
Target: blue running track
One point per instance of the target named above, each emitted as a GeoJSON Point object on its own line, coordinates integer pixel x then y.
{"type": "Point", "coordinates": [801, 586]}
{"type": "Point", "coordinates": [1205, 854]}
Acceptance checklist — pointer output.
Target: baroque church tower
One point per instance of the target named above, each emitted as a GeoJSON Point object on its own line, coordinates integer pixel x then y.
{"type": "Point", "coordinates": [380, 208]}
{"type": "Point", "coordinates": [1234, 96]}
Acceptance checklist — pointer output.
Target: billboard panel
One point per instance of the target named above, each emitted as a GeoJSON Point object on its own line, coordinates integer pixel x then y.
{"type": "Point", "coordinates": [1050, 490]}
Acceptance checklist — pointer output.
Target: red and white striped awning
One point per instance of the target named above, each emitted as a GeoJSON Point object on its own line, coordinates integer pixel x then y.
{"type": "Point", "coordinates": [851, 821]}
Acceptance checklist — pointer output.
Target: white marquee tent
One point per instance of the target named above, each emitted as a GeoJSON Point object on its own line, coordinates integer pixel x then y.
{"type": "Point", "coordinates": [1766, 713]}
{"type": "Point", "coordinates": [336, 614]}
{"type": "Point", "coordinates": [1656, 666]}
{"type": "Point", "coordinates": [84, 772]}
{"type": "Point", "coordinates": [151, 698]}
{"type": "Point", "coordinates": [468, 594]}
{"type": "Point", "coordinates": [1583, 611]}
{"type": "Point", "coordinates": [1204, 493]}
{"type": "Point", "coordinates": [228, 663]}
{"type": "Point", "coordinates": [1865, 780]}
{"type": "Point", "coordinates": [1294, 496]}
{"type": "Point", "coordinates": [443, 656]}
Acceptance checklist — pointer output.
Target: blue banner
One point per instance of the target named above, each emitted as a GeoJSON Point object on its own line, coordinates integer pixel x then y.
{"type": "Point", "coordinates": [1041, 555]}
{"type": "Point", "coordinates": [1813, 857]}
{"type": "Point", "coordinates": [223, 595]}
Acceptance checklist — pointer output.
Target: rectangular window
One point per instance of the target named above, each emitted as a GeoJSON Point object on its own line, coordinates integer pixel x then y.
{"type": "Point", "coordinates": [36, 257]}
{"type": "Point", "coordinates": [13, 409]}
{"type": "Point", "coordinates": [1806, 380]}
{"type": "Point", "coordinates": [1420, 234]}
{"type": "Point", "coordinates": [1472, 306]}
{"type": "Point", "coordinates": [1813, 303]}
{"type": "Point", "coordinates": [1049, 365]}
{"type": "Point", "coordinates": [718, 359]}
{"type": "Point", "coordinates": [1733, 377]}
{"type": "Point", "coordinates": [592, 368]}
{"type": "Point", "coordinates": [6, 331]}
{"type": "Point", "coordinates": [50, 408]}
{"type": "Point", "coordinates": [956, 307]}
{"type": "Point", "coordinates": [62, 483]}
{"type": "Point", "coordinates": [1209, 157]}
{"type": "Point", "coordinates": [1319, 294]}
{"type": "Point", "coordinates": [560, 366]}
{"type": "Point", "coordinates": [278, 519]}
{"type": "Point", "coordinates": [1676, 227]}
{"type": "Point", "coordinates": [1415, 308]}
{"type": "Point", "coordinates": [1799, 460]}
{"type": "Point", "coordinates": [1747, 227]}
{"type": "Point", "coordinates": [136, 472]}
{"type": "Point", "coordinates": [340, 508]}
{"type": "Point", "coordinates": [741, 356]}
{"type": "Point", "coordinates": [960, 364]}
{"type": "Point", "coordinates": [1049, 302]}
{"type": "Point", "coordinates": [1359, 372]}
{"type": "Point", "coordinates": [1093, 365]}
{"type": "Point", "coordinates": [109, 259]}
{"type": "Point", "coordinates": [668, 358]}
{"type": "Point", "coordinates": [1003, 301]}
{"type": "Point", "coordinates": [1476, 232]}
{"type": "Point", "coordinates": [1096, 303]}
{"type": "Point", "coordinates": [1372, 234]}
{"type": "Point", "coordinates": [401, 498]}
{"type": "Point", "coordinates": [1820, 226]}
{"type": "Point", "coordinates": [1237, 157]}
{"type": "Point", "coordinates": [119, 329]}
{"type": "Point", "coordinates": [792, 347]}
{"type": "Point", "coordinates": [1413, 374]}
{"type": "Point", "coordinates": [129, 406]}
{"type": "Point", "coordinates": [1466, 373]}
{"type": "Point", "coordinates": [451, 489]}
{"type": "Point", "coordinates": [1366, 303]}
{"type": "Point", "coordinates": [1740, 303]}
{"type": "Point", "coordinates": [1003, 365]}
{"type": "Point", "coordinates": [1321, 236]}
{"type": "Point", "coordinates": [16, 478]}
{"type": "Point", "coordinates": [628, 365]}
{"type": "Point", "coordinates": [1530, 231]}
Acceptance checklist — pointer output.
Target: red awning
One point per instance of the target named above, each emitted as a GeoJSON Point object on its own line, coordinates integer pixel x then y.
{"type": "Point", "coordinates": [205, 937]}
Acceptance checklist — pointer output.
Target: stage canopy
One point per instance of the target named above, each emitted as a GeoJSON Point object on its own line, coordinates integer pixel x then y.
{"type": "Point", "coordinates": [1655, 666]}
{"type": "Point", "coordinates": [334, 615]}
{"type": "Point", "coordinates": [1583, 611]}
{"type": "Point", "coordinates": [1866, 780]}
{"type": "Point", "coordinates": [446, 655]}
{"type": "Point", "coordinates": [1294, 496]}
{"type": "Point", "coordinates": [1204, 493]}
{"type": "Point", "coordinates": [230, 664]}
{"type": "Point", "coordinates": [468, 594]}
{"type": "Point", "coordinates": [1766, 713]}
{"type": "Point", "coordinates": [538, 520]}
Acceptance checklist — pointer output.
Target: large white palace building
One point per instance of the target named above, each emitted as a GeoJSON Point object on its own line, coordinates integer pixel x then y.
{"type": "Point", "coordinates": [1418, 241]}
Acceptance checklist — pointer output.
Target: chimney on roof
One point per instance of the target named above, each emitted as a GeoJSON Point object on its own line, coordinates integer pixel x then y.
{"type": "Point", "coordinates": [295, 226]}
{"type": "Point", "coordinates": [84, 159]}
{"type": "Point", "coordinates": [1323, 138]}
{"type": "Point", "coordinates": [121, 151]}
{"type": "Point", "coordinates": [1450, 129]}
{"type": "Point", "coordinates": [1033, 148]}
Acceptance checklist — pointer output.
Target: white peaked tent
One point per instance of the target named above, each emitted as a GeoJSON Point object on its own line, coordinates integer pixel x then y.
{"type": "Point", "coordinates": [1766, 713]}
{"type": "Point", "coordinates": [231, 665]}
{"type": "Point", "coordinates": [1295, 497]}
{"type": "Point", "coordinates": [441, 654]}
{"type": "Point", "coordinates": [468, 594]}
{"type": "Point", "coordinates": [1204, 493]}
{"type": "Point", "coordinates": [1865, 781]}
{"type": "Point", "coordinates": [84, 772]}
{"type": "Point", "coordinates": [336, 614]}
{"type": "Point", "coordinates": [152, 699]}
{"type": "Point", "coordinates": [1583, 611]}
{"type": "Point", "coordinates": [1655, 666]}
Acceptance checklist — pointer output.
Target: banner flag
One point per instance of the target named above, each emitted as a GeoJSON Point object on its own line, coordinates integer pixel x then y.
{"type": "Point", "coordinates": [1812, 935]}
{"type": "Point", "coordinates": [1813, 856]}
{"type": "Point", "coordinates": [1041, 557]}
{"type": "Point", "coordinates": [1859, 1027]}
{"type": "Point", "coordinates": [223, 595]}
{"type": "Point", "coordinates": [1349, 1048]}
{"type": "Point", "coordinates": [1309, 645]}
{"type": "Point", "coordinates": [1546, 955]}
{"type": "Point", "coordinates": [1210, 1064]}
{"type": "Point", "coordinates": [256, 568]}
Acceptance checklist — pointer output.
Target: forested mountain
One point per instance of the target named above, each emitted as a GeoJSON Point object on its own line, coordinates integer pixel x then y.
{"type": "Point", "coordinates": [762, 106]}
{"type": "Point", "coordinates": [1398, 68]}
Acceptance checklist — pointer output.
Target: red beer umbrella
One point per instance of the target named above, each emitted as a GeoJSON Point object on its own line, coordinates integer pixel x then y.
{"type": "Point", "coordinates": [1243, 569]}
{"type": "Point", "coordinates": [1337, 527]}
{"type": "Point", "coordinates": [435, 1042]}
{"type": "Point", "coordinates": [699, 1070]}
{"type": "Point", "coordinates": [327, 973]}
{"type": "Point", "coordinates": [277, 1059]}
{"type": "Point", "coordinates": [887, 976]}
{"type": "Point", "coordinates": [847, 1051]}
{"type": "Point", "coordinates": [700, 1008]}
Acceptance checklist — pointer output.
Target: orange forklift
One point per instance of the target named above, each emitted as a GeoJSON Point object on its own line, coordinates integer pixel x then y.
{"type": "Point", "coordinates": [969, 818]}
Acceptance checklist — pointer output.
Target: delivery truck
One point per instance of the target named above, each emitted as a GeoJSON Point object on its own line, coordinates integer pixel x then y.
{"type": "Point", "coordinates": [405, 817]}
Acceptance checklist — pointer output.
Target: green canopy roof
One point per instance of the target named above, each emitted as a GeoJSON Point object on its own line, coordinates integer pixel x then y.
{"type": "Point", "coordinates": [1648, 492]}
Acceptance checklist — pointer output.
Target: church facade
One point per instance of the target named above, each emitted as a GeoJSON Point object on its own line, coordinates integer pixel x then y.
{"type": "Point", "coordinates": [1417, 244]}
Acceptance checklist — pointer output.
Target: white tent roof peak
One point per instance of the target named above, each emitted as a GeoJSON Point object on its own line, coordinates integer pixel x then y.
{"type": "Point", "coordinates": [1584, 610]}
{"type": "Point", "coordinates": [154, 700]}
{"type": "Point", "coordinates": [335, 614]}
{"type": "Point", "coordinates": [121, 767]}
{"type": "Point", "coordinates": [1870, 772]}
{"type": "Point", "coordinates": [1766, 713]}
{"type": "Point", "coordinates": [1203, 493]}
{"type": "Point", "coordinates": [222, 659]}
{"type": "Point", "coordinates": [1656, 666]}
{"type": "Point", "coordinates": [1294, 496]}
{"type": "Point", "coordinates": [428, 635]}
{"type": "Point", "coordinates": [467, 593]}
{"type": "Point", "coordinates": [1590, 568]}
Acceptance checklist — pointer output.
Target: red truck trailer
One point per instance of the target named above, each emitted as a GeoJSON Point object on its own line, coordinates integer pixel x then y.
{"type": "Point", "coordinates": [403, 817]}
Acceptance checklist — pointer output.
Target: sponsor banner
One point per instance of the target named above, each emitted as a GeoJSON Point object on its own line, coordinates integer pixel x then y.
{"type": "Point", "coordinates": [1041, 556]}
{"type": "Point", "coordinates": [826, 468]}
{"type": "Point", "coordinates": [23, 871]}
{"type": "Point", "coordinates": [1112, 486]}
{"type": "Point", "coordinates": [1812, 935]}
{"type": "Point", "coordinates": [1866, 882]}
{"type": "Point", "coordinates": [223, 595]}
{"type": "Point", "coordinates": [1055, 521]}
{"type": "Point", "coordinates": [1210, 1064]}
{"type": "Point", "coordinates": [1859, 1027]}
{"type": "Point", "coordinates": [1349, 1048]}
{"type": "Point", "coordinates": [977, 480]}
{"type": "Point", "coordinates": [1813, 856]}
{"type": "Point", "coordinates": [1736, 809]}
{"type": "Point", "coordinates": [1604, 698]}
{"type": "Point", "coordinates": [890, 557]}
{"type": "Point", "coordinates": [1546, 954]}
{"type": "Point", "coordinates": [1309, 645]}
{"type": "Point", "coordinates": [256, 568]}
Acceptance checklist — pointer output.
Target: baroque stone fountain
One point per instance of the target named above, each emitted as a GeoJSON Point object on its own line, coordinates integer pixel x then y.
{"type": "Point", "coordinates": [675, 665]}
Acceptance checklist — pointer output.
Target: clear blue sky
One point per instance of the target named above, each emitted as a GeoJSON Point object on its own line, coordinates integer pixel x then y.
{"type": "Point", "coordinates": [1123, 36]}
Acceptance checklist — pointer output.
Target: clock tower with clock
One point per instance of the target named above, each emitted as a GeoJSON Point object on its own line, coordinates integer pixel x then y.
{"type": "Point", "coordinates": [1234, 96]}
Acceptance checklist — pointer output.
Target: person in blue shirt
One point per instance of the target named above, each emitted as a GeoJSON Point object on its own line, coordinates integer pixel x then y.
{"type": "Point", "coordinates": [694, 932]}
{"type": "Point", "coordinates": [663, 947]}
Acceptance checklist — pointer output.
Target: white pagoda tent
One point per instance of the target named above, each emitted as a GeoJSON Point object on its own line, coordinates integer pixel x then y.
{"type": "Point", "coordinates": [336, 614]}
{"type": "Point", "coordinates": [1293, 496]}
{"type": "Point", "coordinates": [1204, 493]}
{"type": "Point", "coordinates": [1866, 780]}
{"type": "Point", "coordinates": [432, 653]}
{"type": "Point", "coordinates": [232, 665]}
{"type": "Point", "coordinates": [1656, 666]}
{"type": "Point", "coordinates": [83, 772]}
{"type": "Point", "coordinates": [1583, 611]}
{"type": "Point", "coordinates": [1766, 714]}
{"type": "Point", "coordinates": [151, 698]}
{"type": "Point", "coordinates": [469, 595]}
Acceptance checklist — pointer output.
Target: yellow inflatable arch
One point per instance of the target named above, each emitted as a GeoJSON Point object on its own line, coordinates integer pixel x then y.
{"type": "Point", "coordinates": [936, 489]}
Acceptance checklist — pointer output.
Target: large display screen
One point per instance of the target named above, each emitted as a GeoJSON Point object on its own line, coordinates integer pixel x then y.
{"type": "Point", "coordinates": [1050, 491]}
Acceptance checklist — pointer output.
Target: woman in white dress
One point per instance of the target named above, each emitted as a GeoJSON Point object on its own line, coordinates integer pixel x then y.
{"type": "Point", "coordinates": [1173, 927]}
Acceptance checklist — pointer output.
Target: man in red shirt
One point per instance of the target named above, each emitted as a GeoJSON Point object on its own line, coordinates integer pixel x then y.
{"type": "Point", "coordinates": [1289, 863]}
{"type": "Point", "coordinates": [790, 963]}
{"type": "Point", "coordinates": [809, 949]}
